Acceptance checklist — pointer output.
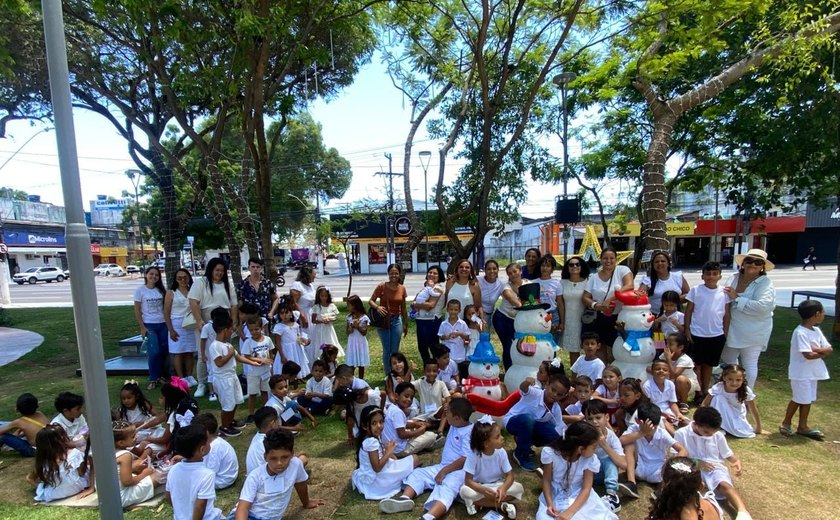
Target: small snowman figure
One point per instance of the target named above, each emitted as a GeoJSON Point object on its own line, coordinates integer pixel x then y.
{"type": "Point", "coordinates": [633, 348]}
{"type": "Point", "coordinates": [534, 342]}
{"type": "Point", "coordinates": [484, 371]}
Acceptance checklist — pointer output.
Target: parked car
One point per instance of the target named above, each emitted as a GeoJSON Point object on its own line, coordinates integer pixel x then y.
{"type": "Point", "coordinates": [40, 274]}
{"type": "Point", "coordinates": [133, 269]}
{"type": "Point", "coordinates": [108, 270]}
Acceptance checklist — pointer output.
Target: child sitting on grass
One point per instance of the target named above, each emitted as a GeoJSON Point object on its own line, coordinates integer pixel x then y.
{"type": "Point", "coordinates": [488, 475]}
{"type": "Point", "coordinates": [137, 476]}
{"type": "Point", "coordinates": [27, 425]}
{"type": "Point", "coordinates": [61, 469]}
{"type": "Point", "coordinates": [69, 408]}
{"type": "Point", "coordinates": [190, 485]}
{"type": "Point", "coordinates": [289, 412]}
{"type": "Point", "coordinates": [221, 458]}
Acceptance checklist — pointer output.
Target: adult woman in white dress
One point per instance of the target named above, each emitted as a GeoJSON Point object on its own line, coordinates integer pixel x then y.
{"type": "Point", "coordinates": [464, 288]}
{"type": "Point", "coordinates": [491, 288]}
{"type": "Point", "coordinates": [660, 278]}
{"type": "Point", "coordinates": [599, 295]}
{"type": "Point", "coordinates": [303, 296]}
{"type": "Point", "coordinates": [176, 306]}
{"type": "Point", "coordinates": [209, 292]}
{"type": "Point", "coordinates": [752, 299]}
{"type": "Point", "coordinates": [504, 316]}
{"type": "Point", "coordinates": [574, 274]}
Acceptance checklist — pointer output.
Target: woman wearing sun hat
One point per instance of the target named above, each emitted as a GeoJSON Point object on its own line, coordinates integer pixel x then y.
{"type": "Point", "coordinates": [752, 299]}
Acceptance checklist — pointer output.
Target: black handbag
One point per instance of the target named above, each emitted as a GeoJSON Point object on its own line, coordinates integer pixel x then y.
{"type": "Point", "coordinates": [378, 320]}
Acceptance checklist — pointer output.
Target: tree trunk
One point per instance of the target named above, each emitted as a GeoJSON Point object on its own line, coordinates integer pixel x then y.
{"type": "Point", "coordinates": [654, 235]}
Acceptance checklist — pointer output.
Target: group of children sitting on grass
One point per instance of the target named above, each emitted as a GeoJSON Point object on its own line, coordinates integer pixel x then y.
{"type": "Point", "coordinates": [590, 428]}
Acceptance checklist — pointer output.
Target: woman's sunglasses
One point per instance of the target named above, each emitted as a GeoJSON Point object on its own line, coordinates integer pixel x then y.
{"type": "Point", "coordinates": [573, 264]}
{"type": "Point", "coordinates": [754, 261]}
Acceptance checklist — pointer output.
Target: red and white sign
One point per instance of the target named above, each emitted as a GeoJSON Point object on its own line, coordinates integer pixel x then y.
{"type": "Point", "coordinates": [94, 249]}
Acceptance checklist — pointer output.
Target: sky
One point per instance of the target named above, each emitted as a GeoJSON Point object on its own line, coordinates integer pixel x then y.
{"type": "Point", "coordinates": [364, 122]}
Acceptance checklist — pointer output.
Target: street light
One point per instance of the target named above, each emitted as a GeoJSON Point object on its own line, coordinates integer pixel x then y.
{"type": "Point", "coordinates": [425, 157]}
{"type": "Point", "coordinates": [562, 80]}
{"type": "Point", "coordinates": [134, 177]}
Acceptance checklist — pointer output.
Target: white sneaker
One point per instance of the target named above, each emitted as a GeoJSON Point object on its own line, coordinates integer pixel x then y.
{"type": "Point", "coordinates": [201, 391]}
{"type": "Point", "coordinates": [213, 398]}
{"type": "Point", "coordinates": [191, 381]}
{"type": "Point", "coordinates": [509, 509]}
{"type": "Point", "coordinates": [470, 509]}
{"type": "Point", "coordinates": [396, 505]}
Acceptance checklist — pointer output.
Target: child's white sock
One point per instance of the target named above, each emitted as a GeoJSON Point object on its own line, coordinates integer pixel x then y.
{"type": "Point", "coordinates": [428, 516]}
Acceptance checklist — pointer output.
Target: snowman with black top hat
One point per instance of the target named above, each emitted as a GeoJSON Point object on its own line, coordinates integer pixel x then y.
{"type": "Point", "coordinates": [533, 340]}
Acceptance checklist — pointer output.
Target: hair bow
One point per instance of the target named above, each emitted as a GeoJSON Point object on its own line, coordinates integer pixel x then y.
{"type": "Point", "coordinates": [129, 382]}
{"type": "Point", "coordinates": [324, 346]}
{"type": "Point", "coordinates": [180, 384]}
{"type": "Point", "coordinates": [186, 419]}
{"type": "Point", "coordinates": [682, 467]}
{"type": "Point", "coordinates": [486, 419]}
{"type": "Point", "coordinates": [556, 363]}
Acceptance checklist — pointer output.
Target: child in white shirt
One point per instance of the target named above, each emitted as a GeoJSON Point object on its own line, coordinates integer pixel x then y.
{"type": "Point", "coordinates": [69, 408]}
{"type": "Point", "coordinates": [610, 453]}
{"type": "Point", "coordinates": [221, 458]}
{"type": "Point", "coordinates": [706, 322]}
{"type": "Point", "coordinates": [432, 395]}
{"type": "Point", "coordinates": [662, 392]}
{"type": "Point", "coordinates": [265, 419]}
{"type": "Point", "coordinates": [589, 365]}
{"type": "Point", "coordinates": [447, 368]}
{"type": "Point", "coordinates": [682, 369]}
{"type": "Point", "coordinates": [487, 471]}
{"type": "Point", "coordinates": [190, 484]}
{"type": "Point", "coordinates": [318, 396]}
{"type": "Point", "coordinates": [583, 392]}
{"type": "Point", "coordinates": [671, 319]}
{"type": "Point", "coordinates": [410, 436]}
{"type": "Point", "coordinates": [454, 333]}
{"type": "Point", "coordinates": [257, 347]}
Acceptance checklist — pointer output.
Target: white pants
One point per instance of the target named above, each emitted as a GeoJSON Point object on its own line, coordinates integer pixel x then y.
{"type": "Point", "coordinates": [749, 360]}
{"type": "Point", "coordinates": [471, 496]}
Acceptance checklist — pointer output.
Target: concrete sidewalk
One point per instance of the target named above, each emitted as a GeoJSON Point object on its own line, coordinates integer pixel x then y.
{"type": "Point", "coordinates": [14, 343]}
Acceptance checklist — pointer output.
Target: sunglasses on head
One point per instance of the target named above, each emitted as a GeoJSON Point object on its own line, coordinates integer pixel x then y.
{"type": "Point", "coordinates": [755, 261]}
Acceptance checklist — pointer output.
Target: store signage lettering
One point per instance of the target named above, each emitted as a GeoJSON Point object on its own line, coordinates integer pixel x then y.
{"type": "Point", "coordinates": [14, 238]}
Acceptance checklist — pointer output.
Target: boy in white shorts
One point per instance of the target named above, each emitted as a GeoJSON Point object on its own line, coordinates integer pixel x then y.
{"type": "Point", "coordinates": [706, 444]}
{"type": "Point", "coordinates": [646, 447]}
{"type": "Point", "coordinates": [808, 347]}
{"type": "Point", "coordinates": [444, 479]}
{"type": "Point", "coordinates": [258, 347]}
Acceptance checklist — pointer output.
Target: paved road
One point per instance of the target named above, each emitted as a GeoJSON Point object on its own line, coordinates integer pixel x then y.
{"type": "Point", "coordinates": [119, 291]}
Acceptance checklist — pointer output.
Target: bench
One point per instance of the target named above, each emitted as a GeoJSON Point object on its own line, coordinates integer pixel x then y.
{"type": "Point", "coordinates": [811, 294]}
{"type": "Point", "coordinates": [131, 346]}
{"type": "Point", "coordinates": [130, 362]}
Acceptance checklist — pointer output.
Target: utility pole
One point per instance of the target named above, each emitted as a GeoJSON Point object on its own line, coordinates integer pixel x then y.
{"type": "Point", "coordinates": [134, 176]}
{"type": "Point", "coordinates": [389, 224]}
{"type": "Point", "coordinates": [425, 157]}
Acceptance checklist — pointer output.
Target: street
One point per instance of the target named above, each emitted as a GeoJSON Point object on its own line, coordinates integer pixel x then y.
{"type": "Point", "coordinates": [119, 291]}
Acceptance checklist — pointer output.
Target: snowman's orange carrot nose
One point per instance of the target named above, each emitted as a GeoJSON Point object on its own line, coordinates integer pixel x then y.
{"type": "Point", "coordinates": [547, 317]}
{"type": "Point", "coordinates": [651, 318]}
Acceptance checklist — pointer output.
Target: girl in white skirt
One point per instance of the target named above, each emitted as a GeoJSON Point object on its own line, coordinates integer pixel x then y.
{"type": "Point", "coordinates": [182, 345]}
{"type": "Point", "coordinates": [322, 328]}
{"type": "Point", "coordinates": [733, 399]}
{"type": "Point", "coordinates": [379, 473]}
{"type": "Point", "coordinates": [137, 483]}
{"type": "Point", "coordinates": [569, 468]}
{"type": "Point", "coordinates": [358, 354]}
{"type": "Point", "coordinates": [289, 340]}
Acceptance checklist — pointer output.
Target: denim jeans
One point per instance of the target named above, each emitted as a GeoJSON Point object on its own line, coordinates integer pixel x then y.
{"type": "Point", "coordinates": [528, 432]}
{"type": "Point", "coordinates": [390, 339]}
{"type": "Point", "coordinates": [316, 408]}
{"type": "Point", "coordinates": [19, 444]}
{"type": "Point", "coordinates": [426, 337]}
{"type": "Point", "coordinates": [608, 474]}
{"type": "Point", "coordinates": [504, 328]}
{"type": "Point", "coordinates": [159, 357]}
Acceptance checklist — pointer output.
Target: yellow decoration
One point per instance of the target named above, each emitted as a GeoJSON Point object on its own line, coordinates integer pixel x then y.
{"type": "Point", "coordinates": [590, 249]}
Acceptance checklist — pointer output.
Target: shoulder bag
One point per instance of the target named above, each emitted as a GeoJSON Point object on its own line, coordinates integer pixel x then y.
{"type": "Point", "coordinates": [381, 321]}
{"type": "Point", "coordinates": [590, 315]}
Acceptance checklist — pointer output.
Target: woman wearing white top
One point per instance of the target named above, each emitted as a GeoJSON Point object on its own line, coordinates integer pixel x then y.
{"type": "Point", "coordinates": [752, 300]}
{"type": "Point", "coordinates": [551, 292]}
{"type": "Point", "coordinates": [429, 313]}
{"type": "Point", "coordinates": [599, 295]}
{"type": "Point", "coordinates": [303, 296]}
{"type": "Point", "coordinates": [176, 306]}
{"type": "Point", "coordinates": [574, 275]}
{"type": "Point", "coordinates": [491, 288]}
{"type": "Point", "coordinates": [660, 279]}
{"type": "Point", "coordinates": [506, 313]}
{"type": "Point", "coordinates": [463, 287]}
{"type": "Point", "coordinates": [207, 293]}
{"type": "Point", "coordinates": [148, 310]}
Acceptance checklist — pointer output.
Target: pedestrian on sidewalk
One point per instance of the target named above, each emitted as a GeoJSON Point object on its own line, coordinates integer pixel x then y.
{"type": "Point", "coordinates": [810, 258]}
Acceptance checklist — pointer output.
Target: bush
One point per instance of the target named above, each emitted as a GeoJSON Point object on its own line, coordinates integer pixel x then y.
{"type": "Point", "coordinates": [5, 319]}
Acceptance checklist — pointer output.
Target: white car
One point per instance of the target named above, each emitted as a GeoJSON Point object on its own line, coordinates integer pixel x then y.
{"type": "Point", "coordinates": [108, 270]}
{"type": "Point", "coordinates": [132, 269]}
{"type": "Point", "coordinates": [39, 274]}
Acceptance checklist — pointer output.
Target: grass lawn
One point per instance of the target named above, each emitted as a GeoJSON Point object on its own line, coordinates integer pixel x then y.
{"type": "Point", "coordinates": [783, 478]}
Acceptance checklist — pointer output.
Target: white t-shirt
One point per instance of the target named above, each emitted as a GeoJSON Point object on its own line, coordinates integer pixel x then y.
{"type": "Point", "coordinates": [685, 362]}
{"type": "Point", "coordinates": [394, 420]}
{"type": "Point", "coordinates": [425, 294]}
{"type": "Point", "coordinates": [269, 494]}
{"type": "Point", "coordinates": [261, 350]}
{"type": "Point", "coordinates": [222, 461]}
{"type": "Point", "coordinates": [593, 369]}
{"type": "Point", "coordinates": [457, 444]}
{"type": "Point", "coordinates": [654, 452]}
{"type": "Point", "coordinates": [804, 340]}
{"type": "Point", "coordinates": [661, 397]}
{"type": "Point", "coordinates": [208, 333]}
{"type": "Point", "coordinates": [613, 442]}
{"type": "Point", "coordinates": [73, 428]}
{"type": "Point", "coordinates": [324, 386]}
{"type": "Point", "coordinates": [431, 396]}
{"type": "Point", "coordinates": [598, 288]}
{"type": "Point", "coordinates": [567, 477]}
{"type": "Point", "coordinates": [709, 308]}
{"type": "Point", "coordinates": [488, 469]}
{"type": "Point", "coordinates": [669, 328]}
{"type": "Point", "coordinates": [457, 346]}
{"type": "Point", "coordinates": [200, 291]}
{"type": "Point", "coordinates": [533, 404]}
{"type": "Point", "coordinates": [188, 482]}
{"type": "Point", "coordinates": [256, 453]}
{"type": "Point", "coordinates": [490, 292]}
{"type": "Point", "coordinates": [673, 283]}
{"type": "Point", "coordinates": [549, 291]}
{"type": "Point", "coordinates": [447, 373]}
{"type": "Point", "coordinates": [220, 349]}
{"type": "Point", "coordinates": [714, 449]}
{"type": "Point", "coordinates": [151, 304]}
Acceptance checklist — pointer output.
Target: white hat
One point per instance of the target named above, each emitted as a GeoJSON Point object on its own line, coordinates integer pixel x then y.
{"type": "Point", "coordinates": [756, 253]}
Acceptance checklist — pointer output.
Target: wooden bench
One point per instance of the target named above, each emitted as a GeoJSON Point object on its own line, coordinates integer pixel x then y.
{"type": "Point", "coordinates": [811, 294]}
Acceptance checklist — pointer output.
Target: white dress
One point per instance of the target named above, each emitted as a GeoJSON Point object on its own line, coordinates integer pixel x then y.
{"type": "Point", "coordinates": [68, 481]}
{"type": "Point", "coordinates": [462, 293]}
{"type": "Point", "coordinates": [572, 294]}
{"type": "Point", "coordinates": [358, 354]}
{"type": "Point", "coordinates": [386, 483]}
{"type": "Point", "coordinates": [306, 302]}
{"type": "Point", "coordinates": [138, 493]}
{"type": "Point", "coordinates": [186, 337]}
{"type": "Point", "coordinates": [324, 333]}
{"type": "Point", "coordinates": [732, 411]}
{"type": "Point", "coordinates": [567, 488]}
{"type": "Point", "coordinates": [292, 350]}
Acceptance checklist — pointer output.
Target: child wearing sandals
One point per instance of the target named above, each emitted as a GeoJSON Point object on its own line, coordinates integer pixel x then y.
{"type": "Point", "coordinates": [488, 475]}
{"type": "Point", "coordinates": [680, 495]}
{"type": "Point", "coordinates": [379, 473]}
{"type": "Point", "coordinates": [733, 398]}
{"type": "Point", "coordinates": [808, 347]}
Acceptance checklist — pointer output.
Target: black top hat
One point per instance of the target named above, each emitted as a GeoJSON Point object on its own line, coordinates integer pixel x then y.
{"type": "Point", "coordinates": [529, 295]}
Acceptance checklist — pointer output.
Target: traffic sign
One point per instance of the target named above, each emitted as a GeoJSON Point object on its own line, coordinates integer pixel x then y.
{"type": "Point", "coordinates": [402, 226]}
{"type": "Point", "coordinates": [190, 239]}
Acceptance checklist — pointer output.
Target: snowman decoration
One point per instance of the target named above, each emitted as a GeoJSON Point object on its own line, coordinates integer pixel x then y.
{"type": "Point", "coordinates": [633, 348]}
{"type": "Point", "coordinates": [533, 340]}
{"type": "Point", "coordinates": [484, 371]}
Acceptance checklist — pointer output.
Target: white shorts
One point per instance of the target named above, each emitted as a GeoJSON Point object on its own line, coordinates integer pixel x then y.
{"type": "Point", "coordinates": [471, 496]}
{"type": "Point", "coordinates": [716, 477]}
{"type": "Point", "coordinates": [649, 472]}
{"type": "Point", "coordinates": [257, 383]}
{"type": "Point", "coordinates": [228, 390]}
{"type": "Point", "coordinates": [422, 479]}
{"type": "Point", "coordinates": [804, 391]}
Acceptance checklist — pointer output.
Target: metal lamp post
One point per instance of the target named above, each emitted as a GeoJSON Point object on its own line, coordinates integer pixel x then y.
{"type": "Point", "coordinates": [562, 80]}
{"type": "Point", "coordinates": [425, 157]}
{"type": "Point", "coordinates": [134, 176]}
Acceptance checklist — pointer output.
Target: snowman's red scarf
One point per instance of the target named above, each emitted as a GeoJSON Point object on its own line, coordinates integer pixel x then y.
{"type": "Point", "coordinates": [471, 382]}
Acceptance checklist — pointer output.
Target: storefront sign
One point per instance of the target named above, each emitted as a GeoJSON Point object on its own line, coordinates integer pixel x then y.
{"type": "Point", "coordinates": [26, 239]}
{"type": "Point", "coordinates": [634, 229]}
{"type": "Point", "coordinates": [402, 226]}
{"type": "Point", "coordinates": [94, 249]}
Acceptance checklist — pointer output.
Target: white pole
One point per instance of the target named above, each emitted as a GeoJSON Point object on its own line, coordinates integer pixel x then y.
{"type": "Point", "coordinates": [5, 295]}
{"type": "Point", "coordinates": [82, 285]}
